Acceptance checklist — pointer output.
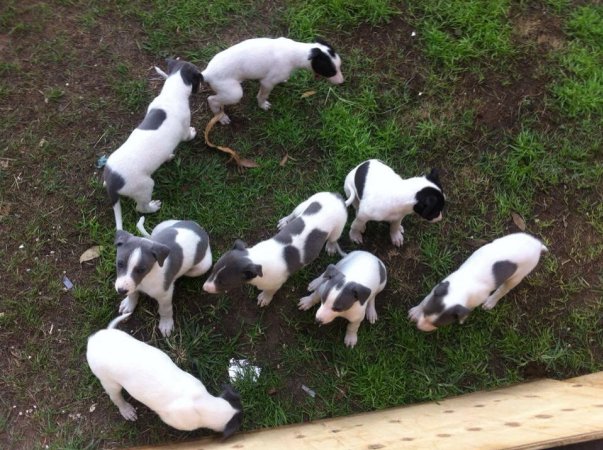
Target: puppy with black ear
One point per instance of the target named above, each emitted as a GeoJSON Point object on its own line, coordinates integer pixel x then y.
{"type": "Point", "coordinates": [489, 274]}
{"type": "Point", "coordinates": [267, 265]}
{"type": "Point", "coordinates": [348, 290]}
{"type": "Point", "coordinates": [152, 264]}
{"type": "Point", "coordinates": [378, 193]}
{"type": "Point", "coordinates": [271, 61]}
{"type": "Point", "coordinates": [149, 375]}
{"type": "Point", "coordinates": [167, 123]}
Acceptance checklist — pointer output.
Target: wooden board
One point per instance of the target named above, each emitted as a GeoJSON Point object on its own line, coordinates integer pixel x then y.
{"type": "Point", "coordinates": [527, 416]}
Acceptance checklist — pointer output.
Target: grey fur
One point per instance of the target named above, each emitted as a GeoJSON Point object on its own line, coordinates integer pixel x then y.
{"type": "Point", "coordinates": [312, 209]}
{"type": "Point", "coordinates": [114, 182]}
{"type": "Point", "coordinates": [382, 273]}
{"type": "Point", "coordinates": [199, 231]}
{"type": "Point", "coordinates": [292, 259]}
{"type": "Point", "coordinates": [351, 293]}
{"type": "Point", "coordinates": [150, 253]}
{"type": "Point", "coordinates": [435, 304]}
{"type": "Point", "coordinates": [502, 271]}
{"type": "Point", "coordinates": [314, 243]}
{"type": "Point", "coordinates": [293, 228]}
{"type": "Point", "coordinates": [153, 120]}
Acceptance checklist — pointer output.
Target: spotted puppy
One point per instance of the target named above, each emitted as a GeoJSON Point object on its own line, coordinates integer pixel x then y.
{"type": "Point", "coordinates": [489, 273]}
{"type": "Point", "coordinates": [271, 61]}
{"type": "Point", "coordinates": [268, 264]}
{"type": "Point", "coordinates": [167, 123]}
{"type": "Point", "coordinates": [151, 377]}
{"type": "Point", "coordinates": [152, 264]}
{"type": "Point", "coordinates": [379, 194]}
{"type": "Point", "coordinates": [347, 290]}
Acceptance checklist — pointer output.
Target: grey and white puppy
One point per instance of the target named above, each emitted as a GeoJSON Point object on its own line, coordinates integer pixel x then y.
{"type": "Point", "coordinates": [348, 289]}
{"type": "Point", "coordinates": [268, 264]}
{"type": "Point", "coordinates": [487, 275]}
{"type": "Point", "coordinates": [152, 264]}
{"type": "Point", "coordinates": [149, 375]}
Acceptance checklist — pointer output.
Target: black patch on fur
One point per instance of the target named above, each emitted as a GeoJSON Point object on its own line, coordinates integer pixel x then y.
{"type": "Point", "coordinates": [292, 258]}
{"type": "Point", "coordinates": [322, 64]}
{"type": "Point", "coordinates": [114, 182]}
{"type": "Point", "coordinates": [313, 208]}
{"type": "Point", "coordinates": [314, 243]}
{"type": "Point", "coordinates": [326, 44]}
{"type": "Point", "coordinates": [502, 271]}
{"type": "Point", "coordinates": [434, 177]}
{"type": "Point", "coordinates": [293, 228]}
{"type": "Point", "coordinates": [333, 278]}
{"type": "Point", "coordinates": [153, 119]}
{"type": "Point", "coordinates": [191, 75]}
{"type": "Point", "coordinates": [234, 399]}
{"type": "Point", "coordinates": [173, 263]}
{"type": "Point", "coordinates": [150, 253]}
{"type": "Point", "coordinates": [360, 178]}
{"type": "Point", "coordinates": [204, 238]}
{"type": "Point", "coordinates": [430, 203]}
{"type": "Point", "coordinates": [382, 273]}
{"type": "Point", "coordinates": [352, 292]}
{"type": "Point", "coordinates": [457, 313]}
{"type": "Point", "coordinates": [435, 304]}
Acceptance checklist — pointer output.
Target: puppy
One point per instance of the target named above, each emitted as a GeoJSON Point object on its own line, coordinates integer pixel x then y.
{"type": "Point", "coordinates": [149, 375]}
{"type": "Point", "coordinates": [347, 290]}
{"type": "Point", "coordinates": [152, 264]}
{"type": "Point", "coordinates": [379, 194]}
{"type": "Point", "coordinates": [129, 168]}
{"type": "Point", "coordinates": [270, 61]}
{"type": "Point", "coordinates": [268, 264]}
{"type": "Point", "coordinates": [489, 273]}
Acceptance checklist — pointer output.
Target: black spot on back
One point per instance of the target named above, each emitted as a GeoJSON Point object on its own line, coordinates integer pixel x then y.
{"type": "Point", "coordinates": [293, 228]}
{"type": "Point", "coordinates": [292, 259]}
{"type": "Point", "coordinates": [360, 178]}
{"type": "Point", "coordinates": [430, 203]}
{"type": "Point", "coordinates": [322, 63]}
{"type": "Point", "coordinates": [314, 243]}
{"type": "Point", "coordinates": [114, 182]}
{"type": "Point", "coordinates": [502, 270]}
{"type": "Point", "coordinates": [199, 231]}
{"type": "Point", "coordinates": [313, 208]}
{"type": "Point", "coordinates": [174, 261]}
{"type": "Point", "coordinates": [382, 273]}
{"type": "Point", "coordinates": [153, 119]}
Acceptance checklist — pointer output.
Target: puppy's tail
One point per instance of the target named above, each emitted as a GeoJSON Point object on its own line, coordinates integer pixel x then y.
{"type": "Point", "coordinates": [339, 250]}
{"type": "Point", "coordinates": [118, 320]}
{"type": "Point", "coordinates": [119, 225]}
{"type": "Point", "coordinates": [351, 195]}
{"type": "Point", "coordinates": [140, 227]}
{"type": "Point", "coordinates": [161, 73]}
{"type": "Point", "coordinates": [544, 249]}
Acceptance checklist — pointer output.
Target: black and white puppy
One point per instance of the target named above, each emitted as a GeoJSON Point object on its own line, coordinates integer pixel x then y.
{"type": "Point", "coordinates": [379, 194]}
{"type": "Point", "coordinates": [152, 264]}
{"type": "Point", "coordinates": [348, 290]}
{"type": "Point", "coordinates": [151, 377]}
{"type": "Point", "coordinates": [271, 61]}
{"type": "Point", "coordinates": [167, 123]}
{"type": "Point", "coordinates": [489, 273]}
{"type": "Point", "coordinates": [268, 264]}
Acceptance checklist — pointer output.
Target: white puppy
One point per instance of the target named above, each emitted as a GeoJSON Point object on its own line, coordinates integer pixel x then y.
{"type": "Point", "coordinates": [348, 290]}
{"type": "Point", "coordinates": [152, 264]}
{"type": "Point", "coordinates": [378, 193]}
{"type": "Point", "coordinates": [268, 264]}
{"type": "Point", "coordinates": [167, 123]}
{"type": "Point", "coordinates": [150, 376]}
{"type": "Point", "coordinates": [270, 61]}
{"type": "Point", "coordinates": [489, 273]}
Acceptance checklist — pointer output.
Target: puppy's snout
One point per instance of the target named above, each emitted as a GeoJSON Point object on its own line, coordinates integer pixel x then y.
{"type": "Point", "coordinates": [437, 219]}
{"type": "Point", "coordinates": [337, 79]}
{"type": "Point", "coordinates": [122, 291]}
{"type": "Point", "coordinates": [318, 321]}
{"type": "Point", "coordinates": [210, 287]}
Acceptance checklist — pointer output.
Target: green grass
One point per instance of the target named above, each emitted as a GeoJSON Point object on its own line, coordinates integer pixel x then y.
{"type": "Point", "coordinates": [543, 162]}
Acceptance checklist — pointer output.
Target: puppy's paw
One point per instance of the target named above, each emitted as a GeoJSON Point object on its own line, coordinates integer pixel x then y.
{"type": "Point", "coordinates": [128, 412]}
{"type": "Point", "coordinates": [166, 326]}
{"type": "Point", "coordinates": [305, 303]}
{"type": "Point", "coordinates": [414, 313]}
{"type": "Point", "coordinates": [225, 120]}
{"type": "Point", "coordinates": [264, 299]}
{"type": "Point", "coordinates": [397, 238]}
{"type": "Point", "coordinates": [265, 105]}
{"type": "Point", "coordinates": [350, 340]}
{"type": "Point", "coordinates": [191, 133]}
{"type": "Point", "coordinates": [489, 303]}
{"type": "Point", "coordinates": [356, 236]}
{"type": "Point", "coordinates": [371, 315]}
{"type": "Point", "coordinates": [315, 284]}
{"type": "Point", "coordinates": [126, 306]}
{"type": "Point", "coordinates": [151, 207]}
{"type": "Point", "coordinates": [282, 223]}
{"type": "Point", "coordinates": [331, 248]}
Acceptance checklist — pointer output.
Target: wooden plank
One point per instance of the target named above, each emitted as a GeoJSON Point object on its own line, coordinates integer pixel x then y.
{"type": "Point", "coordinates": [593, 379]}
{"type": "Point", "coordinates": [527, 416]}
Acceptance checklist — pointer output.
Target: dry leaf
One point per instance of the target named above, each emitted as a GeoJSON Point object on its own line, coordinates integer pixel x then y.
{"type": "Point", "coordinates": [284, 160]}
{"type": "Point", "coordinates": [308, 94]}
{"type": "Point", "coordinates": [518, 220]}
{"type": "Point", "coordinates": [90, 254]}
{"type": "Point", "coordinates": [241, 162]}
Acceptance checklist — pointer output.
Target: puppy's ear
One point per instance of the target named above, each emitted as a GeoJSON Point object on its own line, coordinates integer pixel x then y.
{"type": "Point", "coordinates": [434, 177]}
{"type": "Point", "coordinates": [361, 293]}
{"type": "Point", "coordinates": [252, 271]}
{"type": "Point", "coordinates": [441, 290]}
{"type": "Point", "coordinates": [460, 313]}
{"type": "Point", "coordinates": [197, 79]}
{"type": "Point", "coordinates": [331, 271]}
{"type": "Point", "coordinates": [234, 399]}
{"type": "Point", "coordinates": [231, 396]}
{"type": "Point", "coordinates": [321, 63]}
{"type": "Point", "coordinates": [160, 252]}
{"type": "Point", "coordinates": [239, 245]}
{"type": "Point", "coordinates": [233, 425]}
{"type": "Point", "coordinates": [121, 237]}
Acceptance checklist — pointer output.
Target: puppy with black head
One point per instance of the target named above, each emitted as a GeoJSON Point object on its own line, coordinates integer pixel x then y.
{"type": "Point", "coordinates": [149, 375]}
{"type": "Point", "coordinates": [153, 263]}
{"type": "Point", "coordinates": [271, 61]}
{"type": "Point", "coordinates": [268, 264]}
{"type": "Point", "coordinates": [167, 123]}
{"type": "Point", "coordinates": [489, 274]}
{"type": "Point", "coordinates": [379, 194]}
{"type": "Point", "coordinates": [348, 290]}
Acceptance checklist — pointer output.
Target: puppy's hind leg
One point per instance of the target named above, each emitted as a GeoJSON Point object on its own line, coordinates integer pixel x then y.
{"type": "Point", "coordinates": [227, 93]}
{"type": "Point", "coordinates": [143, 194]}
{"type": "Point", "coordinates": [201, 267]}
{"type": "Point", "coordinates": [499, 293]}
{"type": "Point", "coordinates": [166, 313]}
{"type": "Point", "coordinates": [357, 228]}
{"type": "Point", "coordinates": [114, 391]}
{"type": "Point", "coordinates": [371, 312]}
{"type": "Point", "coordinates": [264, 92]}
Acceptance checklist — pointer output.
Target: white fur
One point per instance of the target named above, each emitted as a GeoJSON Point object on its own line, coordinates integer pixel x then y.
{"type": "Point", "coordinates": [386, 197]}
{"type": "Point", "coordinates": [471, 284]}
{"type": "Point", "coordinates": [149, 375]}
{"type": "Point", "coordinates": [146, 150]}
{"type": "Point", "coordinates": [270, 61]}
{"type": "Point", "coordinates": [360, 267]}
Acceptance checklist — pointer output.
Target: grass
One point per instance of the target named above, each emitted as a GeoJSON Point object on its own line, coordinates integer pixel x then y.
{"type": "Point", "coordinates": [544, 166]}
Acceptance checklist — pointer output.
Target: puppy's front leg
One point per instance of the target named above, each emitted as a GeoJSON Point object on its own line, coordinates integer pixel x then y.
{"type": "Point", "coordinates": [129, 303]}
{"type": "Point", "coordinates": [499, 293]}
{"type": "Point", "coordinates": [265, 297]}
{"type": "Point", "coordinates": [396, 232]}
{"type": "Point", "coordinates": [166, 314]}
{"type": "Point", "coordinates": [351, 334]}
{"type": "Point", "coordinates": [307, 302]}
{"type": "Point", "coordinates": [356, 229]}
